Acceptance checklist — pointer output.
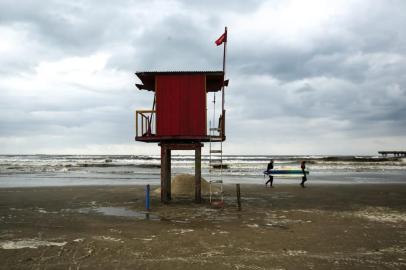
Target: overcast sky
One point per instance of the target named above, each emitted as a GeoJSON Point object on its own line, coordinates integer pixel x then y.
{"type": "Point", "coordinates": [306, 77]}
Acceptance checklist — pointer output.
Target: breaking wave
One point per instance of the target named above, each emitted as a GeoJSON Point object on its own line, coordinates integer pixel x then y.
{"type": "Point", "coordinates": [111, 169]}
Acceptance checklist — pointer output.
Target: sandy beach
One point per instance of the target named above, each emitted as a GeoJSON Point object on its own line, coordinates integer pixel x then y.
{"type": "Point", "coordinates": [287, 227]}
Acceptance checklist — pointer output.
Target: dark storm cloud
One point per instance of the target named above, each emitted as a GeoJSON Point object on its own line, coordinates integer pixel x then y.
{"type": "Point", "coordinates": [345, 75]}
{"type": "Point", "coordinates": [175, 50]}
{"type": "Point", "coordinates": [343, 79]}
{"type": "Point", "coordinates": [289, 64]}
{"type": "Point", "coordinates": [337, 52]}
{"type": "Point", "coordinates": [221, 7]}
{"type": "Point", "coordinates": [74, 27]}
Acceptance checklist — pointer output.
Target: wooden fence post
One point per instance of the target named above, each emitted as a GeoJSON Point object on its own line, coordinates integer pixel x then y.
{"type": "Point", "coordinates": [238, 197]}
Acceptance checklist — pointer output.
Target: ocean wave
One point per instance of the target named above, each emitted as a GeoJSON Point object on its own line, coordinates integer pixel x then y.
{"type": "Point", "coordinates": [236, 164]}
{"type": "Point", "coordinates": [359, 159]}
{"type": "Point", "coordinates": [107, 165]}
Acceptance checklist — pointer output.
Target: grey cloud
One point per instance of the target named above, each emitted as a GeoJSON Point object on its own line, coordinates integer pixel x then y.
{"type": "Point", "coordinates": [223, 7]}
{"type": "Point", "coordinates": [173, 46]}
{"type": "Point", "coordinates": [71, 26]}
{"type": "Point", "coordinates": [367, 30]}
{"type": "Point", "coordinates": [348, 80]}
{"type": "Point", "coordinates": [305, 89]}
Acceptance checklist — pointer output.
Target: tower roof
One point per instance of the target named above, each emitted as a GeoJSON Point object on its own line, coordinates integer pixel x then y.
{"type": "Point", "coordinates": [214, 79]}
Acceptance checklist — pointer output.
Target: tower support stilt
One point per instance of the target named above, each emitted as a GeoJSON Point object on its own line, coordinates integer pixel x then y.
{"type": "Point", "coordinates": [198, 174]}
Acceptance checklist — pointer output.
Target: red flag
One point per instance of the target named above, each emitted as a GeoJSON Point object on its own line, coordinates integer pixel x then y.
{"type": "Point", "coordinates": [221, 39]}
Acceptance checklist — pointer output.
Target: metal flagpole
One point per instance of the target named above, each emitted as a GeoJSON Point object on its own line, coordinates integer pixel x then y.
{"type": "Point", "coordinates": [224, 69]}
{"type": "Point", "coordinates": [222, 107]}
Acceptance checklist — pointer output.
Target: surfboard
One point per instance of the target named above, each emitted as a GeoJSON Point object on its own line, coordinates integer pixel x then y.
{"type": "Point", "coordinates": [285, 171]}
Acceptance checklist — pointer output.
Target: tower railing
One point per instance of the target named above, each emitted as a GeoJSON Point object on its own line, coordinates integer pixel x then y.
{"type": "Point", "coordinates": [145, 126]}
{"type": "Point", "coordinates": [145, 123]}
{"type": "Point", "coordinates": [218, 133]}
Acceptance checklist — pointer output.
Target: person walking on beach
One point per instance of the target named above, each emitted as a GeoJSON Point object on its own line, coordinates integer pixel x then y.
{"type": "Point", "coordinates": [269, 168]}
{"type": "Point", "coordinates": [304, 177]}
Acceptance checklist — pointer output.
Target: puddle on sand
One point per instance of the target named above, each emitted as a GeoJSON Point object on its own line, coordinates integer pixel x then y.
{"type": "Point", "coordinates": [119, 212]}
{"type": "Point", "coordinates": [29, 243]}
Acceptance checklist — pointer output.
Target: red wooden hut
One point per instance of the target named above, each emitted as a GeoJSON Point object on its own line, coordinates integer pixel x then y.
{"type": "Point", "coordinates": [178, 119]}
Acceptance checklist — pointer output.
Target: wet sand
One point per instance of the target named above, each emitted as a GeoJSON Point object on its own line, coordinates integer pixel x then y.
{"type": "Point", "coordinates": [287, 227]}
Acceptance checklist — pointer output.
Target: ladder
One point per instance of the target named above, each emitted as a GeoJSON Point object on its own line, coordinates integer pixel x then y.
{"type": "Point", "coordinates": [216, 172]}
{"type": "Point", "coordinates": [216, 153]}
{"type": "Point", "coordinates": [215, 167]}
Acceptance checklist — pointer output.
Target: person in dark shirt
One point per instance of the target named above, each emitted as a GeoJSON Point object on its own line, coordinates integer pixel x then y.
{"type": "Point", "coordinates": [270, 167]}
{"type": "Point", "coordinates": [304, 177]}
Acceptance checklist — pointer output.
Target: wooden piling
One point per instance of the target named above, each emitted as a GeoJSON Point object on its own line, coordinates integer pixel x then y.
{"type": "Point", "coordinates": [163, 166]}
{"type": "Point", "coordinates": [168, 179]}
{"type": "Point", "coordinates": [198, 174]}
{"type": "Point", "coordinates": [165, 174]}
{"type": "Point", "coordinates": [238, 196]}
{"type": "Point", "coordinates": [147, 201]}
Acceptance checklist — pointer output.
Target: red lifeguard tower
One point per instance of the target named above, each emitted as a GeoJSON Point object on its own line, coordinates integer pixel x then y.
{"type": "Point", "coordinates": [178, 119]}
